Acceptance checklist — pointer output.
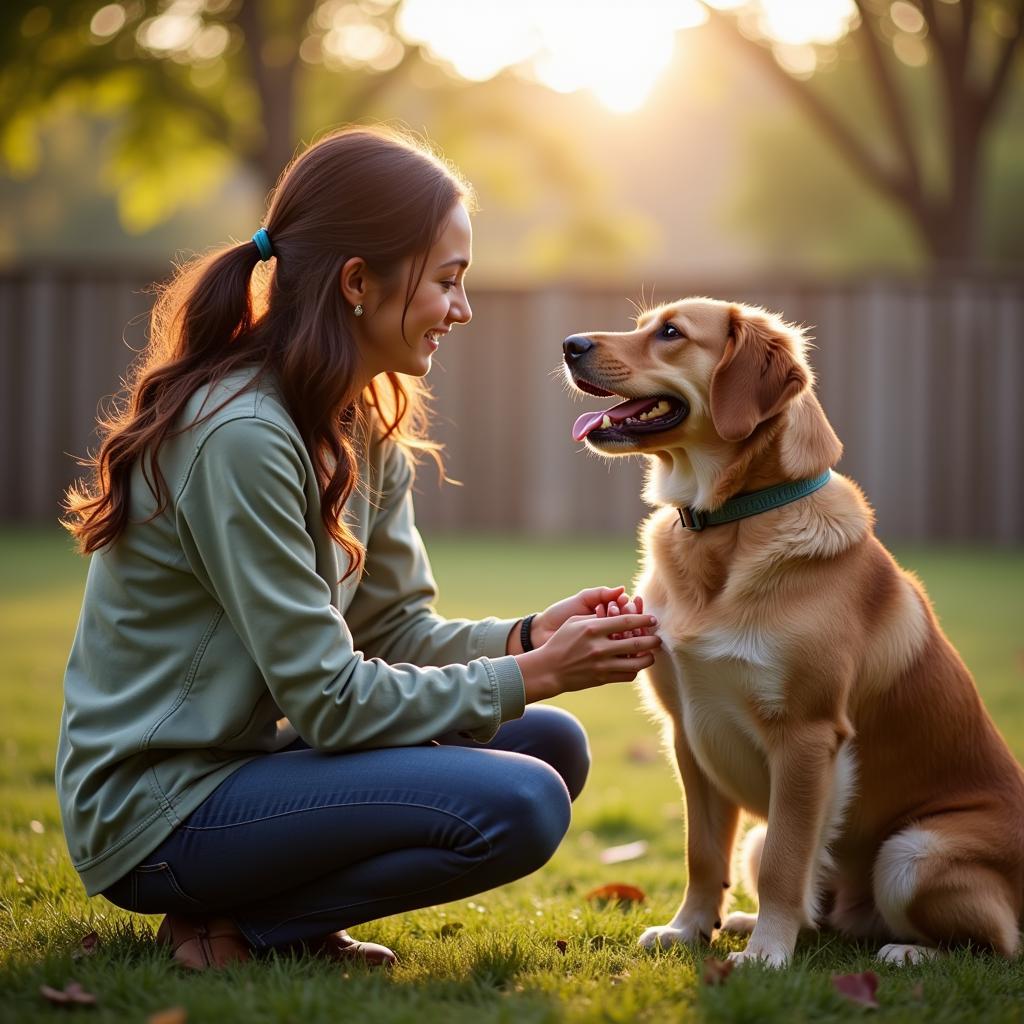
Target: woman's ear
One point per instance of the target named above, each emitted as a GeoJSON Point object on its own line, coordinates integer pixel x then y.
{"type": "Point", "coordinates": [355, 281]}
{"type": "Point", "coordinates": [757, 376]}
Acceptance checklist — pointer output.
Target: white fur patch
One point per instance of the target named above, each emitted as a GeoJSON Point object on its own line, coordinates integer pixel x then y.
{"type": "Point", "coordinates": [896, 873]}
{"type": "Point", "coordinates": [721, 674]}
{"type": "Point", "coordinates": [689, 479]}
{"type": "Point", "coordinates": [902, 956]}
{"type": "Point", "coordinates": [764, 680]}
{"type": "Point", "coordinates": [844, 784]}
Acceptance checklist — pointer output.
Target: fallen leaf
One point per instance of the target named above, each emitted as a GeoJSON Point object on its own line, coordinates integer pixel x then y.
{"type": "Point", "coordinates": [71, 995]}
{"type": "Point", "coordinates": [87, 947]}
{"type": "Point", "coordinates": [627, 851]}
{"type": "Point", "coordinates": [597, 941]}
{"type": "Point", "coordinates": [172, 1015]}
{"type": "Point", "coordinates": [716, 972]}
{"type": "Point", "coordinates": [642, 752]}
{"type": "Point", "coordinates": [446, 931]}
{"type": "Point", "coordinates": [617, 891]}
{"type": "Point", "coordinates": [561, 945]}
{"type": "Point", "coordinates": [858, 988]}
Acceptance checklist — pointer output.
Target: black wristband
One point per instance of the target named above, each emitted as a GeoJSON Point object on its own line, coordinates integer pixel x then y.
{"type": "Point", "coordinates": [524, 632]}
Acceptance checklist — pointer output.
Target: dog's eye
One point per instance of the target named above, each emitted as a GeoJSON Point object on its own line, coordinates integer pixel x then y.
{"type": "Point", "coordinates": [670, 332]}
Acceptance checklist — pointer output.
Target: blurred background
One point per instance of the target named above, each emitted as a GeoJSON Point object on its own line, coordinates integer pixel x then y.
{"type": "Point", "coordinates": [856, 165]}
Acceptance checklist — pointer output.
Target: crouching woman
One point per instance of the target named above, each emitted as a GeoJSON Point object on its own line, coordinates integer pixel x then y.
{"type": "Point", "coordinates": [268, 734]}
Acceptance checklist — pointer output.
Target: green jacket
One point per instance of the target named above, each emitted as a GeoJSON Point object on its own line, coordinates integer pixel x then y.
{"type": "Point", "coordinates": [204, 628]}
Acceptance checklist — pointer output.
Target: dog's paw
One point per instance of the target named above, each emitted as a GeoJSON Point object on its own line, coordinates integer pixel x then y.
{"type": "Point", "coordinates": [667, 935]}
{"type": "Point", "coordinates": [739, 923]}
{"type": "Point", "coordinates": [901, 955]}
{"type": "Point", "coordinates": [767, 956]}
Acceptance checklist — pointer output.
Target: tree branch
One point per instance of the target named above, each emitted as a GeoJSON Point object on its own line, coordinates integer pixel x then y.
{"type": "Point", "coordinates": [848, 144]}
{"type": "Point", "coordinates": [950, 65]}
{"type": "Point", "coordinates": [991, 96]}
{"type": "Point", "coordinates": [966, 28]}
{"type": "Point", "coordinates": [890, 98]}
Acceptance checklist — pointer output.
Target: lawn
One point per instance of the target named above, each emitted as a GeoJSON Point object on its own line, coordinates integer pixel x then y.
{"type": "Point", "coordinates": [498, 957]}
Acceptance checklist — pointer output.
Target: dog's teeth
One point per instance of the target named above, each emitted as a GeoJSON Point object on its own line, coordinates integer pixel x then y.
{"type": "Point", "coordinates": [606, 423]}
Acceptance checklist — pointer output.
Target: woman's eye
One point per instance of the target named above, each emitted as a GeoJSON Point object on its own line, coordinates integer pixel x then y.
{"type": "Point", "coordinates": [448, 285]}
{"type": "Point", "coordinates": [670, 331]}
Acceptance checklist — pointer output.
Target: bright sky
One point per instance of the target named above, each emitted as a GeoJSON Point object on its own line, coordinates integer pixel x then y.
{"type": "Point", "coordinates": [615, 48]}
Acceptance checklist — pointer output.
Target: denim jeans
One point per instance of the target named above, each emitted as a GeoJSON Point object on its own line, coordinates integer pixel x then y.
{"type": "Point", "coordinates": [297, 844]}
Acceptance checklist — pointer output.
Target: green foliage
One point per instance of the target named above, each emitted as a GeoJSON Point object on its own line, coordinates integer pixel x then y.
{"type": "Point", "coordinates": [494, 958]}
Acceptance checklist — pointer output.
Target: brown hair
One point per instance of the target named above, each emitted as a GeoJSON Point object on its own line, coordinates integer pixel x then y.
{"type": "Point", "coordinates": [368, 192]}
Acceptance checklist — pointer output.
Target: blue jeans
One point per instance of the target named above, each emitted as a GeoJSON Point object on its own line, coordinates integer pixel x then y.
{"type": "Point", "coordinates": [300, 843]}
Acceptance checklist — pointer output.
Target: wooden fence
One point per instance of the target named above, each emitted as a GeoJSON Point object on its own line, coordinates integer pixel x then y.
{"type": "Point", "coordinates": [922, 380]}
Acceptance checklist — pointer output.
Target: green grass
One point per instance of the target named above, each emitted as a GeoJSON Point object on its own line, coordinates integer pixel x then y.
{"type": "Point", "coordinates": [503, 964]}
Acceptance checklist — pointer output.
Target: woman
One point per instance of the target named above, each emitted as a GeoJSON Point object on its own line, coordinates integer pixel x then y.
{"type": "Point", "coordinates": [268, 734]}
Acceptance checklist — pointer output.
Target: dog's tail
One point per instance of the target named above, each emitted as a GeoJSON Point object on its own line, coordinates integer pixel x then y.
{"type": "Point", "coordinates": [749, 858]}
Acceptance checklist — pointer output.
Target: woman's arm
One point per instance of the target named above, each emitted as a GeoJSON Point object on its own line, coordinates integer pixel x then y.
{"type": "Point", "coordinates": [392, 613]}
{"type": "Point", "coordinates": [241, 517]}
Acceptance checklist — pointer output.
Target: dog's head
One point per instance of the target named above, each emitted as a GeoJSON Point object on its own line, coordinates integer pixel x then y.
{"type": "Point", "coordinates": [698, 375]}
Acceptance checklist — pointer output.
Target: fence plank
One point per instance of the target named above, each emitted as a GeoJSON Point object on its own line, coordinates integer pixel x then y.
{"type": "Point", "coordinates": [921, 379]}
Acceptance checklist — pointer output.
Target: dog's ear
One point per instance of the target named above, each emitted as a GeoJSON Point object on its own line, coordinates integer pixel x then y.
{"type": "Point", "coordinates": [758, 374]}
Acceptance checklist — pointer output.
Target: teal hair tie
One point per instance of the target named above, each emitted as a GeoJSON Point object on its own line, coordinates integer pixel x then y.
{"type": "Point", "coordinates": [262, 240]}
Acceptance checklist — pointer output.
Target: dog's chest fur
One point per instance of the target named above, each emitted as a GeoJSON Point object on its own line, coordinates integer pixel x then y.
{"type": "Point", "coordinates": [718, 677]}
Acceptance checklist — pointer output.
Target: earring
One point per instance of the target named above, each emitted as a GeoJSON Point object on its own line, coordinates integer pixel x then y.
{"type": "Point", "coordinates": [358, 310]}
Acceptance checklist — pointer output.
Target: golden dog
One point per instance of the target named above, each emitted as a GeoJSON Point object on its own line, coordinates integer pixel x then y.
{"type": "Point", "coordinates": [804, 677]}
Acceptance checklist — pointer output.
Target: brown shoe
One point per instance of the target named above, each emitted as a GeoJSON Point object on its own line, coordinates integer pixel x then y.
{"type": "Point", "coordinates": [201, 943]}
{"type": "Point", "coordinates": [342, 948]}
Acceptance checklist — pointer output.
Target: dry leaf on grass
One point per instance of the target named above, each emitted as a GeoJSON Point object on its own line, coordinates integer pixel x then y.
{"type": "Point", "coordinates": [561, 945]}
{"type": "Point", "coordinates": [172, 1015]}
{"type": "Point", "coordinates": [858, 988]}
{"type": "Point", "coordinates": [627, 851]}
{"type": "Point", "coordinates": [617, 891]}
{"type": "Point", "coordinates": [716, 972]}
{"type": "Point", "coordinates": [642, 752]}
{"type": "Point", "coordinates": [71, 995]}
{"type": "Point", "coordinates": [87, 947]}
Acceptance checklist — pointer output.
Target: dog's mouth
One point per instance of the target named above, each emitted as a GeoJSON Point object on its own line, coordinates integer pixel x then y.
{"type": "Point", "coordinates": [632, 418]}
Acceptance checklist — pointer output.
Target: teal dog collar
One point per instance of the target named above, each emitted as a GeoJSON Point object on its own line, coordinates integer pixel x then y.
{"type": "Point", "coordinates": [751, 504]}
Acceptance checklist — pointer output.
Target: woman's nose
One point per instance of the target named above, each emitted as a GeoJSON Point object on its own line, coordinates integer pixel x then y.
{"type": "Point", "coordinates": [461, 311]}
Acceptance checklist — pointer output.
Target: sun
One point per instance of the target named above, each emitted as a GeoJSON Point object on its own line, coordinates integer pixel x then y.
{"type": "Point", "coordinates": [614, 49]}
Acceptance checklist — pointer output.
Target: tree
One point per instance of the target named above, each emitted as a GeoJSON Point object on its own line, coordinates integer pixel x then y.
{"type": "Point", "coordinates": [192, 80]}
{"type": "Point", "coordinates": [193, 88]}
{"type": "Point", "coordinates": [972, 46]}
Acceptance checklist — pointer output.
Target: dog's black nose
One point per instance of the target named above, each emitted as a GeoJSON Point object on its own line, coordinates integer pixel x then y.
{"type": "Point", "coordinates": [575, 346]}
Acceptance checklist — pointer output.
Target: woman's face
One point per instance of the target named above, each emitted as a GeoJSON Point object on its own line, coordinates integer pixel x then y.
{"type": "Point", "coordinates": [438, 303]}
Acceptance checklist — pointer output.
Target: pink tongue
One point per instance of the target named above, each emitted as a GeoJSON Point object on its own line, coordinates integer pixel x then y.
{"type": "Point", "coordinates": [591, 420]}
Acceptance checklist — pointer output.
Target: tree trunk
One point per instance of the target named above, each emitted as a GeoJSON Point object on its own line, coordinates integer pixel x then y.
{"type": "Point", "coordinates": [273, 63]}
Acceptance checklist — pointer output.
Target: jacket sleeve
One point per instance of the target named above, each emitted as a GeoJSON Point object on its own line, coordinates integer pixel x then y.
{"type": "Point", "coordinates": [241, 515]}
{"type": "Point", "coordinates": [391, 615]}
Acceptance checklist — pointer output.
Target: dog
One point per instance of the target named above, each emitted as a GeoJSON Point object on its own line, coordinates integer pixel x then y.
{"type": "Point", "coordinates": [804, 678]}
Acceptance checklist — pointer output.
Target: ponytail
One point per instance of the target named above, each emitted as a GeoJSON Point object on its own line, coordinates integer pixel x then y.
{"type": "Point", "coordinates": [205, 303]}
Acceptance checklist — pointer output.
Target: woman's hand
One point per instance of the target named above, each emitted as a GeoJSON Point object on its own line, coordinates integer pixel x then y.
{"type": "Point", "coordinates": [586, 602]}
{"type": "Point", "coordinates": [589, 651]}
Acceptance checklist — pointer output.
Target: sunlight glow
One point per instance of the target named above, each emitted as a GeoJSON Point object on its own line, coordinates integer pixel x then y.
{"type": "Point", "coordinates": [617, 50]}
{"type": "Point", "coordinates": [614, 49]}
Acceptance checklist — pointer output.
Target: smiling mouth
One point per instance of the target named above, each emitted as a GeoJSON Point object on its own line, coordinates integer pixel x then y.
{"type": "Point", "coordinates": [632, 418]}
